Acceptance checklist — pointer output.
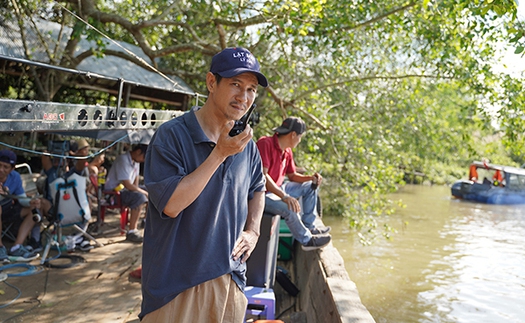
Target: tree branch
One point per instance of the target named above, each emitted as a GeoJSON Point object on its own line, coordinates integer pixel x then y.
{"type": "Point", "coordinates": [89, 10]}
{"type": "Point", "coordinates": [222, 35]}
{"type": "Point", "coordinates": [381, 17]}
{"type": "Point", "coordinates": [21, 26]}
{"type": "Point", "coordinates": [367, 78]}
{"type": "Point", "coordinates": [283, 104]}
{"type": "Point", "coordinates": [166, 11]}
{"type": "Point", "coordinates": [185, 48]}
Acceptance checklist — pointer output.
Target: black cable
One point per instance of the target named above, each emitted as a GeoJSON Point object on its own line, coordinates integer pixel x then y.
{"type": "Point", "coordinates": [39, 302]}
{"type": "Point", "coordinates": [286, 310]}
{"type": "Point", "coordinates": [75, 260]}
{"type": "Point", "coordinates": [31, 270]}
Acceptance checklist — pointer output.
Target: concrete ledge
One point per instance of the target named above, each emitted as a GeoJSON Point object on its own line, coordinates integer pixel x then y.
{"type": "Point", "coordinates": [327, 293]}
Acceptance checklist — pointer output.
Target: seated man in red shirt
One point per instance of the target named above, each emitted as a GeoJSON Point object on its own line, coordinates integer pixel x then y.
{"type": "Point", "coordinates": [278, 162]}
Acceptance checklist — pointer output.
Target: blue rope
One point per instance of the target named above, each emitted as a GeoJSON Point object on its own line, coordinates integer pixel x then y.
{"type": "Point", "coordinates": [31, 270]}
{"type": "Point", "coordinates": [14, 299]}
{"type": "Point", "coordinates": [63, 156]}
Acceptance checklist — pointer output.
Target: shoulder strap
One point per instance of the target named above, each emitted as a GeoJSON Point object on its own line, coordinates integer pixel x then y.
{"type": "Point", "coordinates": [75, 194]}
{"type": "Point", "coordinates": [66, 185]}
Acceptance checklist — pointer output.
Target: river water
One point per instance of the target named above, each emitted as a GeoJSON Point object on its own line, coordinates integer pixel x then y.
{"type": "Point", "coordinates": [450, 261]}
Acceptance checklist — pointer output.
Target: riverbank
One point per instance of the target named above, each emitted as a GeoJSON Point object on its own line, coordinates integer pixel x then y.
{"type": "Point", "coordinates": [326, 292]}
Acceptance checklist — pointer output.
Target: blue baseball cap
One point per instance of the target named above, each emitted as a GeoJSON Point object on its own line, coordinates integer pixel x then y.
{"type": "Point", "coordinates": [233, 61]}
{"type": "Point", "coordinates": [7, 156]}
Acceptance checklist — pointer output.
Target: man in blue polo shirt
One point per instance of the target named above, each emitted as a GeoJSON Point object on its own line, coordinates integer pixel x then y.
{"type": "Point", "coordinates": [206, 199]}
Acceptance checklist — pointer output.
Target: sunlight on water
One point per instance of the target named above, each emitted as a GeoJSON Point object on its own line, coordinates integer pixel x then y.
{"type": "Point", "coordinates": [455, 261]}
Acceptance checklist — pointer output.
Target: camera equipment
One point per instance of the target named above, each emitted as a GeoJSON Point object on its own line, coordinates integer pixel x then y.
{"type": "Point", "coordinates": [60, 147]}
{"type": "Point", "coordinates": [240, 124]}
{"type": "Point", "coordinates": [36, 215]}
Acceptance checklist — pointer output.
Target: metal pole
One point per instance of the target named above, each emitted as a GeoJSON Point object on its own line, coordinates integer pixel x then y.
{"type": "Point", "coordinates": [119, 98]}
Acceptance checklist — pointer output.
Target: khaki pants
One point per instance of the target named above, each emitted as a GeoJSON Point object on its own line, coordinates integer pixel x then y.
{"type": "Point", "coordinates": [216, 301]}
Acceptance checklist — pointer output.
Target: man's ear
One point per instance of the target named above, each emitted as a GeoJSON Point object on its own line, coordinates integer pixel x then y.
{"type": "Point", "coordinates": [211, 82]}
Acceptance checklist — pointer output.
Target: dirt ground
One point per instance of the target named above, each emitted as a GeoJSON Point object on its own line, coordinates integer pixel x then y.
{"type": "Point", "coordinates": [97, 290]}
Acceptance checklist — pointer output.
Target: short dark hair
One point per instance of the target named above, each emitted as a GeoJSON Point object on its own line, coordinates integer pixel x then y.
{"type": "Point", "coordinates": [143, 148]}
{"type": "Point", "coordinates": [218, 78]}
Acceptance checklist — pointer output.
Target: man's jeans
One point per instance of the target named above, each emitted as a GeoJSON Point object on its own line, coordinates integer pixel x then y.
{"type": "Point", "coordinates": [274, 206]}
{"type": "Point", "coordinates": [309, 202]}
{"type": "Point", "coordinates": [298, 229]}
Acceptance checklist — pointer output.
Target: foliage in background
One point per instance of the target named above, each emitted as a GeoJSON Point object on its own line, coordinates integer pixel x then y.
{"type": "Point", "coordinates": [389, 89]}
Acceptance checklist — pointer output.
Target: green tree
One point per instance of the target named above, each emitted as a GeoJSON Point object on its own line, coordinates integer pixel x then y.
{"type": "Point", "coordinates": [387, 88]}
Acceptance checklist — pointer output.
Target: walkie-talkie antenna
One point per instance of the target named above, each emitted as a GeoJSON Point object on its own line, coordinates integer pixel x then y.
{"type": "Point", "coordinates": [240, 124]}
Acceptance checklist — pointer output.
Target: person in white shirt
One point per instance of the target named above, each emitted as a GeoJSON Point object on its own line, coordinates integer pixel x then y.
{"type": "Point", "coordinates": [125, 170]}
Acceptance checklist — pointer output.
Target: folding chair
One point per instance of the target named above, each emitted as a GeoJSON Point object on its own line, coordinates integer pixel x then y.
{"type": "Point", "coordinates": [28, 179]}
{"type": "Point", "coordinates": [109, 200]}
{"type": "Point", "coordinates": [28, 182]}
{"type": "Point", "coordinates": [7, 225]}
{"type": "Point", "coordinates": [6, 231]}
{"type": "Point", "coordinates": [70, 209]}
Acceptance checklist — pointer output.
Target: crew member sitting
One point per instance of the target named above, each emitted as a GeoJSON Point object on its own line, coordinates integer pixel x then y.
{"type": "Point", "coordinates": [16, 207]}
{"type": "Point", "coordinates": [55, 168]}
{"type": "Point", "coordinates": [125, 170]}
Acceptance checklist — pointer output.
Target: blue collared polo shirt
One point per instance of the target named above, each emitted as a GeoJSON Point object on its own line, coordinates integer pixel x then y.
{"type": "Point", "coordinates": [196, 246]}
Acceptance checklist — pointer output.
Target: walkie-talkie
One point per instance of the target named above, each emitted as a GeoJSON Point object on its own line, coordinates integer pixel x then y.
{"type": "Point", "coordinates": [240, 124]}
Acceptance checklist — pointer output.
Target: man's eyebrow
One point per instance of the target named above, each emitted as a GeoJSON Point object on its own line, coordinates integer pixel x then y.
{"type": "Point", "coordinates": [239, 80]}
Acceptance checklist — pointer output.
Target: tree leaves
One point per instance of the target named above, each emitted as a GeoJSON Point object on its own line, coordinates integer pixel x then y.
{"type": "Point", "coordinates": [387, 88]}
